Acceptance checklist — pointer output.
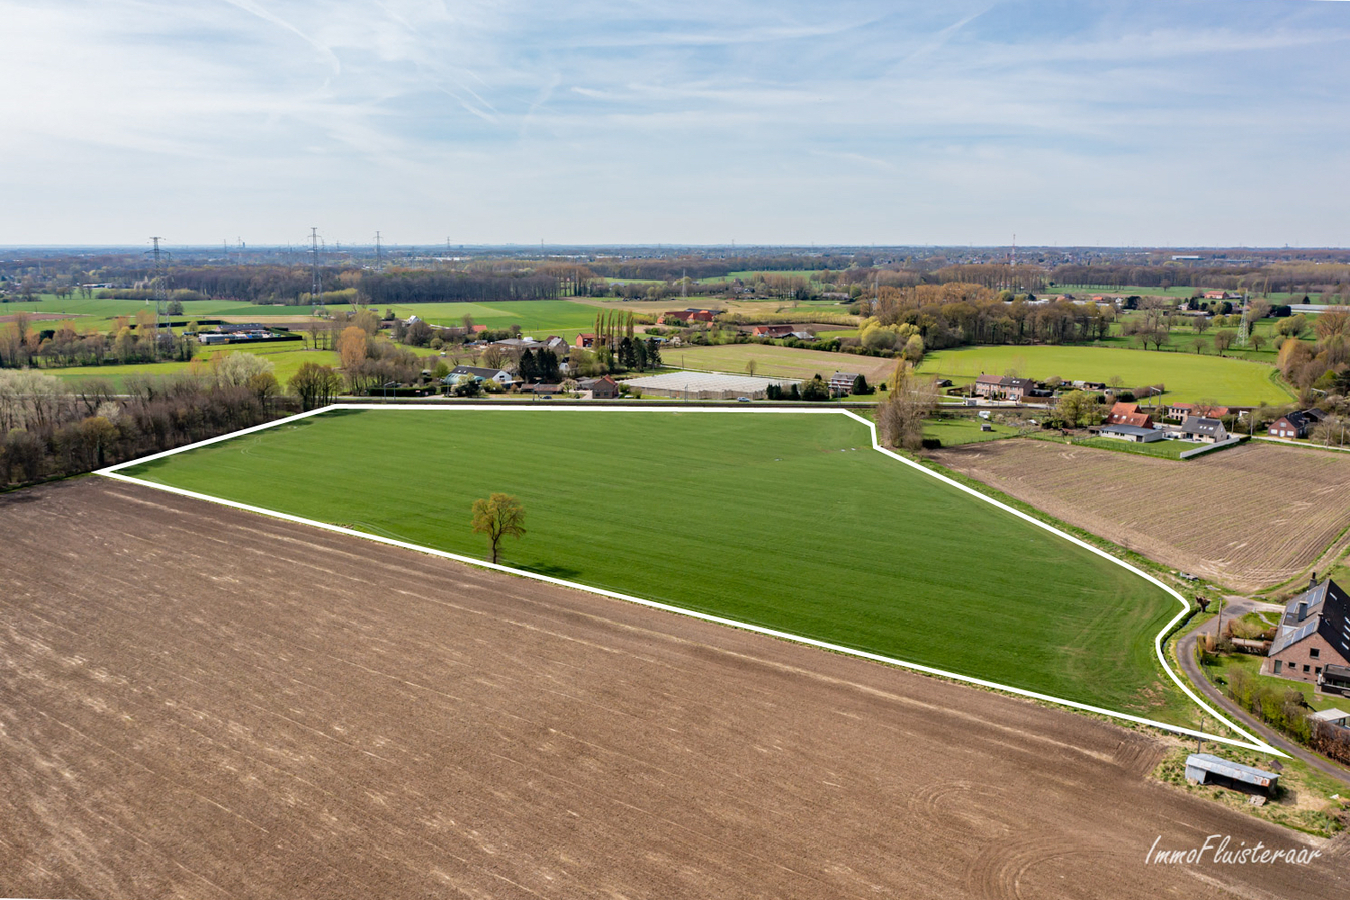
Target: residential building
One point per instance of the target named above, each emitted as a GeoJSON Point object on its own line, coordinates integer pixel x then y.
{"type": "Point", "coordinates": [1298, 424]}
{"type": "Point", "coordinates": [1314, 633]}
{"type": "Point", "coordinates": [772, 331]}
{"type": "Point", "coordinates": [1134, 433]}
{"type": "Point", "coordinates": [602, 388]}
{"type": "Point", "coordinates": [1129, 414]}
{"type": "Point", "coordinates": [501, 376]}
{"type": "Point", "coordinates": [585, 340]}
{"type": "Point", "coordinates": [841, 383]}
{"type": "Point", "coordinates": [1003, 387]}
{"type": "Point", "coordinates": [1182, 410]}
{"type": "Point", "coordinates": [1204, 430]}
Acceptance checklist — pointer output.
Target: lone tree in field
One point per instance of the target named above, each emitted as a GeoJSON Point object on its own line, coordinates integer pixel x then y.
{"type": "Point", "coordinates": [498, 516]}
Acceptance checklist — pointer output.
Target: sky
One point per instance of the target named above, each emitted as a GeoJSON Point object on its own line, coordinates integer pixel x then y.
{"type": "Point", "coordinates": [1167, 123]}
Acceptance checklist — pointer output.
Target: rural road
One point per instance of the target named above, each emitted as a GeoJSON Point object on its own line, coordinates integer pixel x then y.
{"type": "Point", "coordinates": [1186, 654]}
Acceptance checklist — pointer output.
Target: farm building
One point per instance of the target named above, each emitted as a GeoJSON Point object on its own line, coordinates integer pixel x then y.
{"type": "Point", "coordinates": [841, 383]}
{"type": "Point", "coordinates": [585, 340]}
{"type": "Point", "coordinates": [1129, 414]}
{"type": "Point", "coordinates": [1003, 387]}
{"type": "Point", "coordinates": [707, 385]}
{"type": "Point", "coordinates": [1206, 768]}
{"type": "Point", "coordinates": [1298, 424]}
{"type": "Point", "coordinates": [1203, 430]}
{"type": "Point", "coordinates": [1134, 433]}
{"type": "Point", "coordinates": [1314, 633]}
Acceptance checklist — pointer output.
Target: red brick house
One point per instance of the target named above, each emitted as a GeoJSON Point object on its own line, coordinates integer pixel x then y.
{"type": "Point", "coordinates": [1314, 633]}
{"type": "Point", "coordinates": [1003, 387]}
{"type": "Point", "coordinates": [602, 388]}
{"type": "Point", "coordinates": [772, 331]}
{"type": "Point", "coordinates": [585, 341]}
{"type": "Point", "coordinates": [1297, 424]}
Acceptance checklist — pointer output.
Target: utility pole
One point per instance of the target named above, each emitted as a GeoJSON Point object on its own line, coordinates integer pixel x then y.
{"type": "Point", "coordinates": [315, 292]}
{"type": "Point", "coordinates": [1242, 329]}
{"type": "Point", "coordinates": [161, 295]}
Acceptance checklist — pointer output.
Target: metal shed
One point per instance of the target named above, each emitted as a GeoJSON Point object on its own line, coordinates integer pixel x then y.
{"type": "Point", "coordinates": [1206, 768]}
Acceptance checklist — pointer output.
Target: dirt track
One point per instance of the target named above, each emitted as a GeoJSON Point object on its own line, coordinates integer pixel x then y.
{"type": "Point", "coordinates": [200, 702]}
{"type": "Point", "coordinates": [1250, 517]}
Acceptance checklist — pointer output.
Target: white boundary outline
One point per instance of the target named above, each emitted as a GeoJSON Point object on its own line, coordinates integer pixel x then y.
{"type": "Point", "coordinates": [1252, 742]}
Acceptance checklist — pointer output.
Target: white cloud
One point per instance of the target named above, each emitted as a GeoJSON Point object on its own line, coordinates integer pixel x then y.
{"type": "Point", "coordinates": [595, 121]}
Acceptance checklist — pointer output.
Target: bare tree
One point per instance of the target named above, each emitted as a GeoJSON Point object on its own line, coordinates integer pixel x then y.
{"type": "Point", "coordinates": [901, 415]}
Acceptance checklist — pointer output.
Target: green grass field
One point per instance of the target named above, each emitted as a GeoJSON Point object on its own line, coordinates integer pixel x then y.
{"type": "Point", "coordinates": [286, 360]}
{"type": "Point", "coordinates": [100, 314]}
{"type": "Point", "coordinates": [1188, 377]}
{"type": "Point", "coordinates": [772, 360]}
{"type": "Point", "coordinates": [787, 521]}
{"type": "Point", "coordinates": [537, 318]}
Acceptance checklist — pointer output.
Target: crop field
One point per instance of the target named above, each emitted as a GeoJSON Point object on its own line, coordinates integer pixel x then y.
{"type": "Point", "coordinates": [196, 701]}
{"type": "Point", "coordinates": [786, 521]}
{"type": "Point", "coordinates": [286, 360]}
{"type": "Point", "coordinates": [1251, 518]}
{"type": "Point", "coordinates": [1188, 377]}
{"type": "Point", "coordinates": [96, 313]}
{"type": "Point", "coordinates": [775, 361]}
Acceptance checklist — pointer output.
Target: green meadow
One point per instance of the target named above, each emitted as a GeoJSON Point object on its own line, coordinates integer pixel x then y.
{"type": "Point", "coordinates": [789, 521]}
{"type": "Point", "coordinates": [1188, 376]}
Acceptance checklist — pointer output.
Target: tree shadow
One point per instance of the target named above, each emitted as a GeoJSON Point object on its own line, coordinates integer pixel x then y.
{"type": "Point", "coordinates": [551, 570]}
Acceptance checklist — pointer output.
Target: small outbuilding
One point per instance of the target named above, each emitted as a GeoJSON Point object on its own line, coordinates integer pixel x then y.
{"type": "Point", "coordinates": [1206, 768]}
{"type": "Point", "coordinates": [1338, 717]}
{"type": "Point", "coordinates": [1135, 433]}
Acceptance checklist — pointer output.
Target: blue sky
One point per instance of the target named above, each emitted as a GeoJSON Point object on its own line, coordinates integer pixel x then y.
{"type": "Point", "coordinates": [1177, 123]}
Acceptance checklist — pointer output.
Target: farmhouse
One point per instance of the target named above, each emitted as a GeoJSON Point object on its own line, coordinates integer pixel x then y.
{"type": "Point", "coordinates": [1135, 433]}
{"type": "Point", "coordinates": [501, 376]}
{"type": "Point", "coordinates": [772, 331]}
{"type": "Point", "coordinates": [1129, 414]}
{"type": "Point", "coordinates": [585, 340]}
{"type": "Point", "coordinates": [1203, 430]}
{"type": "Point", "coordinates": [841, 383]}
{"type": "Point", "coordinates": [1003, 387]}
{"type": "Point", "coordinates": [1182, 410]}
{"type": "Point", "coordinates": [1314, 633]}
{"type": "Point", "coordinates": [602, 388]}
{"type": "Point", "coordinates": [1297, 424]}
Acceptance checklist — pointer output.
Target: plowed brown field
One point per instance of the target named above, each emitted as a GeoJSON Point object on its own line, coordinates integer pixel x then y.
{"type": "Point", "coordinates": [199, 702]}
{"type": "Point", "coordinates": [1251, 517]}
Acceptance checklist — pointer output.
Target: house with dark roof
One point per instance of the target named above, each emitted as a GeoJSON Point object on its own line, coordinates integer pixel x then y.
{"type": "Point", "coordinates": [1314, 633]}
{"type": "Point", "coordinates": [1298, 424]}
{"type": "Point", "coordinates": [1203, 430]}
{"type": "Point", "coordinates": [1003, 387]}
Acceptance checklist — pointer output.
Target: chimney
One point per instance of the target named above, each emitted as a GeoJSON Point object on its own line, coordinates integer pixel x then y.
{"type": "Point", "coordinates": [1312, 582]}
{"type": "Point", "coordinates": [1302, 610]}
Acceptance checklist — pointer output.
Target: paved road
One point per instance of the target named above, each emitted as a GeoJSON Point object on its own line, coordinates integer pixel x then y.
{"type": "Point", "coordinates": [1239, 606]}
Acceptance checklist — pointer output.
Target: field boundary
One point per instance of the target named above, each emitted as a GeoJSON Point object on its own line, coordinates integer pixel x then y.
{"type": "Point", "coordinates": [1251, 742]}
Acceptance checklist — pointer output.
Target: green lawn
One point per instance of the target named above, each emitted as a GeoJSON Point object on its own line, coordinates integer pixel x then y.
{"type": "Point", "coordinates": [100, 314]}
{"type": "Point", "coordinates": [788, 521]}
{"type": "Point", "coordinates": [1188, 377]}
{"type": "Point", "coordinates": [1252, 664]}
{"type": "Point", "coordinates": [954, 431]}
